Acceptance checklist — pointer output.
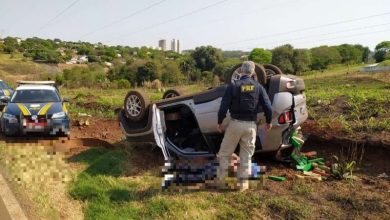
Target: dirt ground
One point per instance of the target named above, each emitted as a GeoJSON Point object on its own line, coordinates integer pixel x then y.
{"type": "Point", "coordinates": [367, 187]}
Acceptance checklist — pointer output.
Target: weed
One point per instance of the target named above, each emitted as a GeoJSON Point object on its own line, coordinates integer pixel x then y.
{"type": "Point", "coordinates": [345, 163]}
{"type": "Point", "coordinates": [301, 188]}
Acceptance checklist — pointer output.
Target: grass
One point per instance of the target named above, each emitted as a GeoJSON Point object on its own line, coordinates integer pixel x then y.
{"type": "Point", "coordinates": [15, 67]}
{"type": "Point", "coordinates": [301, 188]}
{"type": "Point", "coordinates": [32, 168]}
{"type": "Point", "coordinates": [287, 208]}
{"type": "Point", "coordinates": [385, 63]}
{"type": "Point", "coordinates": [355, 204]}
{"type": "Point", "coordinates": [357, 102]}
{"type": "Point", "coordinates": [108, 194]}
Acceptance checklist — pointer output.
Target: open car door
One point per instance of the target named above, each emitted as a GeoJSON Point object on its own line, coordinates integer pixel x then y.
{"type": "Point", "coordinates": [165, 144]}
{"type": "Point", "coordinates": [158, 131]}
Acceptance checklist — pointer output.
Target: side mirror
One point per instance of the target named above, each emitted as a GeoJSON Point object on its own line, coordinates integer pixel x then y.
{"type": "Point", "coordinates": [4, 99]}
{"type": "Point", "coordinates": [65, 99]}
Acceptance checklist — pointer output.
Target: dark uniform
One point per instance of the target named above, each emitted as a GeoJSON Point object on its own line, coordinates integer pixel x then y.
{"type": "Point", "coordinates": [244, 99]}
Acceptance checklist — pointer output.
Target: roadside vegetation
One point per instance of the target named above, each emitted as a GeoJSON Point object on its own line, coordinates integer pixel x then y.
{"type": "Point", "coordinates": [82, 64]}
{"type": "Point", "coordinates": [356, 104]}
{"type": "Point", "coordinates": [116, 184]}
{"type": "Point", "coordinates": [39, 176]}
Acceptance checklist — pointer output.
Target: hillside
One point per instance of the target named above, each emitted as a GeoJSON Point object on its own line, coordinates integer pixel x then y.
{"type": "Point", "coordinates": [15, 67]}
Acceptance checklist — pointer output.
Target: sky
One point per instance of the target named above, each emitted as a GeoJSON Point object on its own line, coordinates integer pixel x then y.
{"type": "Point", "coordinates": [226, 24]}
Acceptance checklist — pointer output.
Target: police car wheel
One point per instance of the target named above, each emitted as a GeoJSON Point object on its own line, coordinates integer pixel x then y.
{"type": "Point", "coordinates": [272, 70]}
{"type": "Point", "coordinates": [136, 104]}
{"type": "Point", "coordinates": [260, 75]}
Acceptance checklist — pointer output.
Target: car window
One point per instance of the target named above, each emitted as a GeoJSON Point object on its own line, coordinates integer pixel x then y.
{"type": "Point", "coordinates": [35, 96]}
{"type": "Point", "coordinates": [3, 85]}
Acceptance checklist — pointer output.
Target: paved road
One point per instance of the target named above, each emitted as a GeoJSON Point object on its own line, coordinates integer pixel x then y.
{"type": "Point", "coordinates": [9, 206]}
{"type": "Point", "coordinates": [3, 211]}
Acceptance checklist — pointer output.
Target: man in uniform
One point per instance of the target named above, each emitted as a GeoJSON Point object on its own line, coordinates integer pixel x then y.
{"type": "Point", "coordinates": [243, 99]}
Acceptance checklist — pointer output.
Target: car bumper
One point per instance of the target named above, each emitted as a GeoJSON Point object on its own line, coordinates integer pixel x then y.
{"type": "Point", "coordinates": [52, 127]}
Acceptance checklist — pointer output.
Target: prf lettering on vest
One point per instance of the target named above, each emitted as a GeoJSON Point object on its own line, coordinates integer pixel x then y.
{"type": "Point", "coordinates": [247, 88]}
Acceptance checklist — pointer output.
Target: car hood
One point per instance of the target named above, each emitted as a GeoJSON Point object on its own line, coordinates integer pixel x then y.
{"type": "Point", "coordinates": [27, 109]}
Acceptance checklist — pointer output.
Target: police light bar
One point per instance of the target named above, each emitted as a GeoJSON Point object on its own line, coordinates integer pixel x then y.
{"type": "Point", "coordinates": [21, 82]}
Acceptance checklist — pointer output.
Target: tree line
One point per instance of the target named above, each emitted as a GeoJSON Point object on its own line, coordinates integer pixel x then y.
{"type": "Point", "coordinates": [133, 66]}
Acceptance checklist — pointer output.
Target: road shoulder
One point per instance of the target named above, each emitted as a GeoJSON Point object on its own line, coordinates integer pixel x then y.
{"type": "Point", "coordinates": [9, 206]}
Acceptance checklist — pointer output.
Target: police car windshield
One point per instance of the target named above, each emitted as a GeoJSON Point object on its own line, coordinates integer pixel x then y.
{"type": "Point", "coordinates": [35, 96]}
{"type": "Point", "coordinates": [3, 85]}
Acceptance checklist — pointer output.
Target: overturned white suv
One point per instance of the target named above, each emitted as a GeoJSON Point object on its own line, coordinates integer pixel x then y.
{"type": "Point", "coordinates": [185, 125]}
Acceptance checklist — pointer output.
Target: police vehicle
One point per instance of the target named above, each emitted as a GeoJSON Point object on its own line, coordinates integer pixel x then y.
{"type": "Point", "coordinates": [5, 91]}
{"type": "Point", "coordinates": [186, 125]}
{"type": "Point", "coordinates": [35, 106]}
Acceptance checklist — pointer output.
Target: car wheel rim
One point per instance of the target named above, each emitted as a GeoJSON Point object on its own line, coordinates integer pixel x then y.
{"type": "Point", "coordinates": [134, 106]}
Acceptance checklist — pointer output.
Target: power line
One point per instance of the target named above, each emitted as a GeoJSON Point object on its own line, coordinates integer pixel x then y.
{"type": "Point", "coordinates": [124, 18]}
{"type": "Point", "coordinates": [318, 35]}
{"type": "Point", "coordinates": [177, 18]}
{"type": "Point", "coordinates": [306, 29]}
{"type": "Point", "coordinates": [55, 17]}
{"type": "Point", "coordinates": [348, 36]}
{"type": "Point", "coordinates": [242, 14]}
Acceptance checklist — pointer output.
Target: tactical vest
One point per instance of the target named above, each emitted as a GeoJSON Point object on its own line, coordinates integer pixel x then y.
{"type": "Point", "coordinates": [245, 99]}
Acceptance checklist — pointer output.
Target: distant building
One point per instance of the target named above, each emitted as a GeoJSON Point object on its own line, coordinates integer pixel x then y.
{"type": "Point", "coordinates": [19, 40]}
{"type": "Point", "coordinates": [78, 60]}
{"type": "Point", "coordinates": [178, 46]}
{"type": "Point", "coordinates": [173, 45]}
{"type": "Point", "coordinates": [162, 44]}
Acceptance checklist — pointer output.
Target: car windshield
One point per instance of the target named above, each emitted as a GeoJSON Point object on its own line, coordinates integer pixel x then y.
{"type": "Point", "coordinates": [3, 85]}
{"type": "Point", "coordinates": [35, 96]}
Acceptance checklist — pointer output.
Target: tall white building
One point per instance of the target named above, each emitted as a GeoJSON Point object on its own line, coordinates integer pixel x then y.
{"type": "Point", "coordinates": [178, 47]}
{"type": "Point", "coordinates": [162, 44]}
{"type": "Point", "coordinates": [173, 44]}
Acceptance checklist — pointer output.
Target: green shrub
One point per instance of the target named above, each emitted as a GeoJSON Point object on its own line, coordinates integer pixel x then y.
{"type": "Point", "coordinates": [84, 76]}
{"type": "Point", "coordinates": [385, 63]}
{"type": "Point", "coordinates": [123, 84]}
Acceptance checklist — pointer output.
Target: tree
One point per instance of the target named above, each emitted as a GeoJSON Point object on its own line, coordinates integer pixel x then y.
{"type": "Point", "coordinates": [224, 69]}
{"type": "Point", "coordinates": [365, 54]}
{"type": "Point", "coordinates": [84, 76]}
{"type": "Point", "coordinates": [282, 57]}
{"type": "Point", "coordinates": [350, 54]}
{"type": "Point", "coordinates": [260, 55]}
{"type": "Point", "coordinates": [147, 72]}
{"type": "Point", "coordinates": [171, 73]}
{"type": "Point", "coordinates": [206, 57]}
{"type": "Point", "coordinates": [207, 77]}
{"type": "Point", "coordinates": [301, 60]}
{"type": "Point", "coordinates": [188, 68]}
{"type": "Point", "coordinates": [10, 45]}
{"type": "Point", "coordinates": [382, 51]}
{"type": "Point", "coordinates": [46, 55]}
{"type": "Point", "coordinates": [123, 72]}
{"type": "Point", "coordinates": [324, 56]}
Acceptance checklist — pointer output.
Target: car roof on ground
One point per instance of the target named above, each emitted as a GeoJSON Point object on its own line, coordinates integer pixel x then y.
{"type": "Point", "coordinates": [32, 87]}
